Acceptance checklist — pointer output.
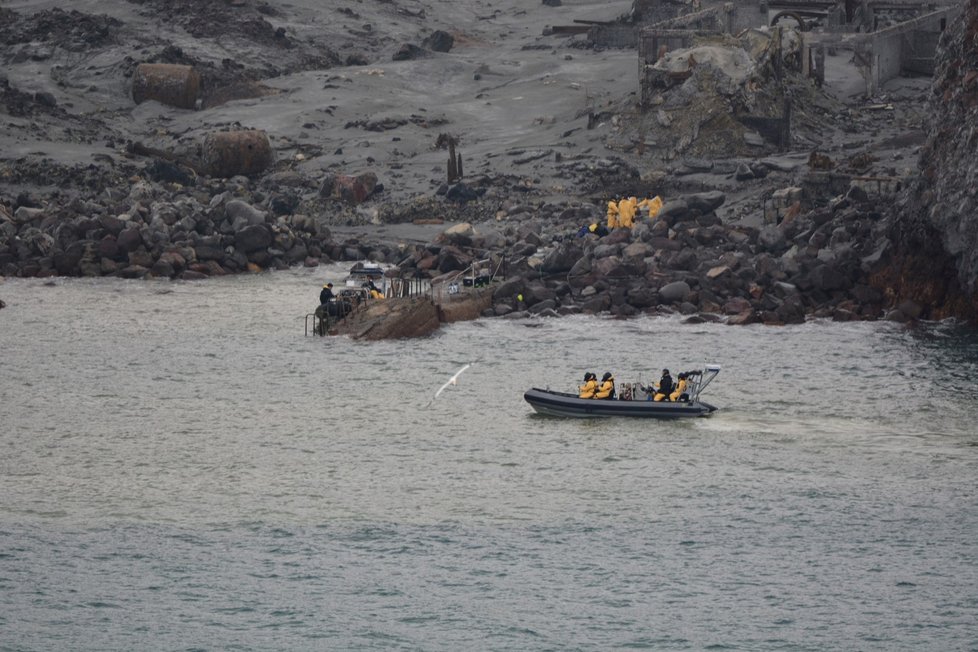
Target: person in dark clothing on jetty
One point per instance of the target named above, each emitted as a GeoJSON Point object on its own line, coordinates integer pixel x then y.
{"type": "Point", "coordinates": [326, 294]}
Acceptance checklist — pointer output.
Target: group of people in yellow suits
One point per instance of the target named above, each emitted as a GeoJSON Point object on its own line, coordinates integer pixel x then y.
{"type": "Point", "coordinates": [664, 390]}
{"type": "Point", "coordinates": [622, 213]}
{"type": "Point", "coordinates": [592, 389]}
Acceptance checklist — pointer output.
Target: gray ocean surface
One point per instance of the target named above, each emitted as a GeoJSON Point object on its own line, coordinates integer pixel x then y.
{"type": "Point", "coordinates": [182, 469]}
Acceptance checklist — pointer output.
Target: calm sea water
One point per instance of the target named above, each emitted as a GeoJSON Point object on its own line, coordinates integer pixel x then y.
{"type": "Point", "coordinates": [182, 469]}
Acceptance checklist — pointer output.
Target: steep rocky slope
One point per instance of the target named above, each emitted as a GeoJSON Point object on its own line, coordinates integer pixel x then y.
{"type": "Point", "coordinates": [935, 260]}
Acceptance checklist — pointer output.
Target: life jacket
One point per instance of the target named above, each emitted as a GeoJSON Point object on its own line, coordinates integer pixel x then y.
{"type": "Point", "coordinates": [588, 389]}
{"type": "Point", "coordinates": [680, 388]}
{"type": "Point", "coordinates": [607, 389]}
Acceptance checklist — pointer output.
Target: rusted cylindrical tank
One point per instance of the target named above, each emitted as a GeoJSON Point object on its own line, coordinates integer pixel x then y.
{"type": "Point", "coordinates": [229, 153]}
{"type": "Point", "coordinates": [167, 83]}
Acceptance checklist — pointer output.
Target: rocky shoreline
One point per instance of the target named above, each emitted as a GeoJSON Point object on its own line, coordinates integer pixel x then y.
{"type": "Point", "coordinates": [96, 181]}
{"type": "Point", "coordinates": [686, 260]}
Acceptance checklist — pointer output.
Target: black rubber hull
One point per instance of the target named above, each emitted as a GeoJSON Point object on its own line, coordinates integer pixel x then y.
{"type": "Point", "coordinates": [561, 404]}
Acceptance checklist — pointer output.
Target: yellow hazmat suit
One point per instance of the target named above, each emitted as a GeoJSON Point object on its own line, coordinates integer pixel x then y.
{"type": "Point", "coordinates": [612, 215]}
{"type": "Point", "coordinates": [588, 389]}
{"type": "Point", "coordinates": [607, 387]}
{"type": "Point", "coordinates": [653, 205]}
{"type": "Point", "coordinates": [626, 212]}
{"type": "Point", "coordinates": [680, 388]}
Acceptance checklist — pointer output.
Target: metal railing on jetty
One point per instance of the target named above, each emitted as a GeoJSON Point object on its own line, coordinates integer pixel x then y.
{"type": "Point", "coordinates": [352, 300]}
{"type": "Point", "coordinates": [445, 289]}
{"type": "Point", "coordinates": [473, 279]}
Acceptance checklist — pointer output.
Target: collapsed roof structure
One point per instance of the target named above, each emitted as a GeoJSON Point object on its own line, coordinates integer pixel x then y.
{"type": "Point", "coordinates": [725, 78]}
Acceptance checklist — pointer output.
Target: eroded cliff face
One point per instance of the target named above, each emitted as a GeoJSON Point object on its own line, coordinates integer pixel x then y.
{"type": "Point", "coordinates": [935, 233]}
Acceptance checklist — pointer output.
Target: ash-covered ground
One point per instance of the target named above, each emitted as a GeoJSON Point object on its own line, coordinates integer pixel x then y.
{"type": "Point", "coordinates": [548, 128]}
{"type": "Point", "coordinates": [534, 114]}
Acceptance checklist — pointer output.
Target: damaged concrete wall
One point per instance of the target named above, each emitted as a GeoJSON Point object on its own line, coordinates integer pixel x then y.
{"type": "Point", "coordinates": [884, 55]}
{"type": "Point", "coordinates": [655, 11]}
{"type": "Point", "coordinates": [614, 36]}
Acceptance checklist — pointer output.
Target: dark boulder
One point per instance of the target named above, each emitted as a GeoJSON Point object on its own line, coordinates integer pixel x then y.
{"type": "Point", "coordinates": [252, 238]}
{"type": "Point", "coordinates": [674, 292]}
{"type": "Point", "coordinates": [705, 202]}
{"type": "Point", "coordinates": [163, 171]}
{"type": "Point", "coordinates": [408, 52]}
{"type": "Point", "coordinates": [462, 193]}
{"type": "Point", "coordinates": [439, 41]}
{"type": "Point", "coordinates": [562, 259]}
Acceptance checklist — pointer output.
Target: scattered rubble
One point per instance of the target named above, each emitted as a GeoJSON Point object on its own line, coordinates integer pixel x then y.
{"type": "Point", "coordinates": [777, 194]}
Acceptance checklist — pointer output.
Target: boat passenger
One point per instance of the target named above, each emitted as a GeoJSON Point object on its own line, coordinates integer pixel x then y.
{"type": "Point", "coordinates": [607, 389]}
{"type": "Point", "coordinates": [665, 387]}
{"type": "Point", "coordinates": [589, 387]}
{"type": "Point", "coordinates": [677, 393]}
{"type": "Point", "coordinates": [326, 294]}
{"type": "Point", "coordinates": [374, 291]}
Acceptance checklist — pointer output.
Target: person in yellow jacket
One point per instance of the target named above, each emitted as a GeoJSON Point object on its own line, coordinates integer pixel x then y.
{"type": "Point", "coordinates": [607, 389]}
{"type": "Point", "coordinates": [612, 214]}
{"type": "Point", "coordinates": [653, 206]}
{"type": "Point", "coordinates": [374, 291]}
{"type": "Point", "coordinates": [626, 212]}
{"type": "Point", "coordinates": [589, 387]}
{"type": "Point", "coordinates": [680, 387]}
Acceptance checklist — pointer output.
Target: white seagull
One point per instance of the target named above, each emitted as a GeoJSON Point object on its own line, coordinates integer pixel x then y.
{"type": "Point", "coordinates": [451, 381]}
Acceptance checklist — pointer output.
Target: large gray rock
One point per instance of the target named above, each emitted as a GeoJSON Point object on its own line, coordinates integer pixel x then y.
{"type": "Point", "coordinates": [675, 291]}
{"type": "Point", "coordinates": [241, 214]}
{"type": "Point", "coordinates": [252, 238]}
{"type": "Point", "coordinates": [704, 202]}
{"type": "Point", "coordinates": [562, 259]}
{"type": "Point", "coordinates": [439, 41]}
{"type": "Point", "coordinates": [772, 239]}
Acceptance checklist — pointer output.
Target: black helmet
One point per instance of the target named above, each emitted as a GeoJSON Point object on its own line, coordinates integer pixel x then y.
{"type": "Point", "coordinates": [587, 376]}
{"type": "Point", "coordinates": [606, 375]}
{"type": "Point", "coordinates": [665, 372]}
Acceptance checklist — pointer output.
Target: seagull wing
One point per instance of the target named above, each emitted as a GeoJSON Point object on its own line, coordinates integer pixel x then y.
{"type": "Point", "coordinates": [451, 381]}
